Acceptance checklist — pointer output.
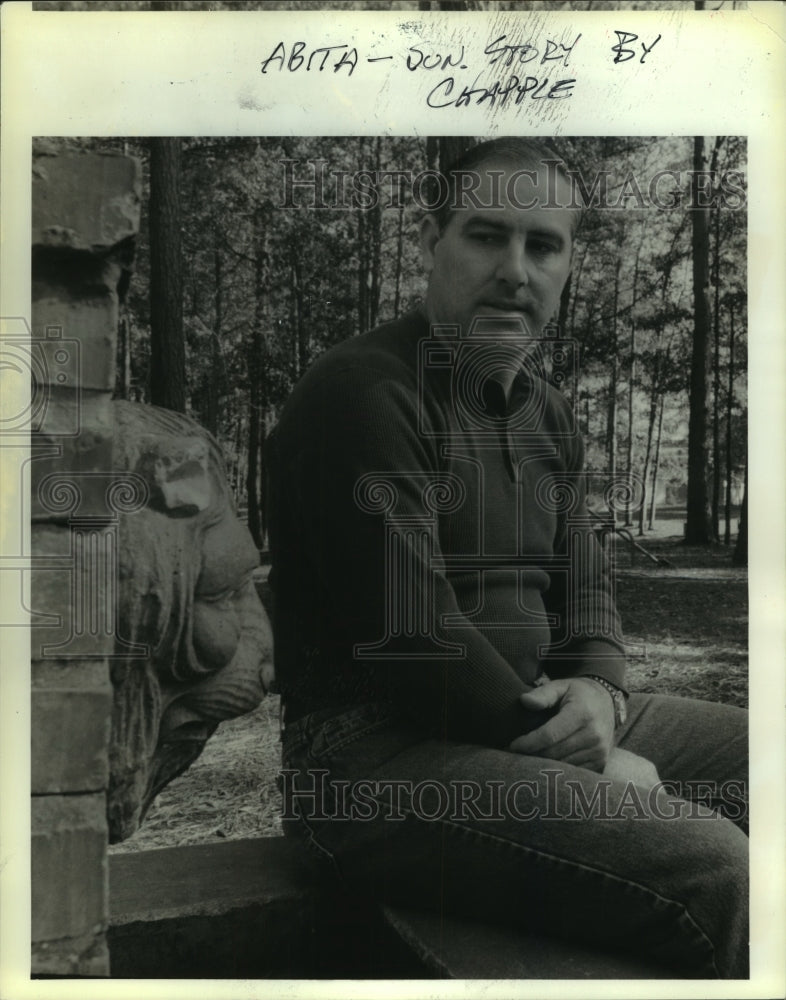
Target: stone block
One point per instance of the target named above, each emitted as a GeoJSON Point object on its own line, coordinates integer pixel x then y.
{"type": "Point", "coordinates": [41, 386]}
{"type": "Point", "coordinates": [87, 955]}
{"type": "Point", "coordinates": [85, 201]}
{"type": "Point", "coordinates": [69, 868]}
{"type": "Point", "coordinates": [74, 607]}
{"type": "Point", "coordinates": [65, 413]}
{"type": "Point", "coordinates": [70, 727]}
{"type": "Point", "coordinates": [87, 343]}
{"type": "Point", "coordinates": [71, 467]}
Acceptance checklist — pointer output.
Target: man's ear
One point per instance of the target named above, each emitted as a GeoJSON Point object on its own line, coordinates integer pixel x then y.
{"type": "Point", "coordinates": [429, 237]}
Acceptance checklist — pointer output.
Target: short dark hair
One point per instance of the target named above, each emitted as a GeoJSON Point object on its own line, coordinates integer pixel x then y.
{"type": "Point", "coordinates": [523, 151]}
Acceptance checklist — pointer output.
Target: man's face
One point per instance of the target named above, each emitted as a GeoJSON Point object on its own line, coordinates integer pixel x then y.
{"type": "Point", "coordinates": [505, 260]}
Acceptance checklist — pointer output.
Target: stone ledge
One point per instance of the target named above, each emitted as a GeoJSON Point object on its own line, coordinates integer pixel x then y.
{"type": "Point", "coordinates": [207, 879]}
{"type": "Point", "coordinates": [250, 909]}
{"type": "Point", "coordinates": [261, 909]}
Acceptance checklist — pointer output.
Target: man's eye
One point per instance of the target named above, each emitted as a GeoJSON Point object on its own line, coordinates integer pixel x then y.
{"type": "Point", "coordinates": [488, 239]}
{"type": "Point", "coordinates": [542, 248]}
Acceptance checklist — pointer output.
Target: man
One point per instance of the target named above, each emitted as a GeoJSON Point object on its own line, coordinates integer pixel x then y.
{"type": "Point", "coordinates": [458, 734]}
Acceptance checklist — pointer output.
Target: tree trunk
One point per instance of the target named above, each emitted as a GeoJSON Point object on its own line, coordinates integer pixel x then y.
{"type": "Point", "coordinates": [362, 272]}
{"type": "Point", "coordinates": [656, 464]}
{"type": "Point", "coordinates": [238, 479]}
{"type": "Point", "coordinates": [716, 459]}
{"type": "Point", "coordinates": [214, 374]}
{"type": "Point", "coordinates": [611, 424]}
{"type": "Point", "coordinates": [698, 529]}
{"type": "Point", "coordinates": [451, 148]}
{"type": "Point", "coordinates": [611, 420]}
{"type": "Point", "coordinates": [257, 365]}
{"type": "Point", "coordinates": [399, 259]}
{"type": "Point", "coordinates": [570, 387]}
{"type": "Point", "coordinates": [740, 557]}
{"type": "Point", "coordinates": [629, 455]}
{"type": "Point", "coordinates": [729, 407]}
{"type": "Point", "coordinates": [647, 453]}
{"type": "Point", "coordinates": [167, 347]}
{"type": "Point", "coordinates": [262, 434]}
{"type": "Point", "coordinates": [363, 256]}
{"type": "Point", "coordinates": [252, 468]}
{"type": "Point", "coordinates": [576, 283]}
{"type": "Point", "coordinates": [432, 153]}
{"type": "Point", "coordinates": [301, 339]}
{"type": "Point", "coordinates": [564, 307]}
{"type": "Point", "coordinates": [375, 249]}
{"type": "Point", "coordinates": [631, 379]}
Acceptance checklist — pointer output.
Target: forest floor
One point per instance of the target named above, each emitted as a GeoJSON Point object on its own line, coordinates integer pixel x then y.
{"type": "Point", "coordinates": [687, 624]}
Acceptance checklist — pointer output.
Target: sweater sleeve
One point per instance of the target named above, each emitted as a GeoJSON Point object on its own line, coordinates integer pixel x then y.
{"type": "Point", "coordinates": [360, 475]}
{"type": "Point", "coordinates": [587, 637]}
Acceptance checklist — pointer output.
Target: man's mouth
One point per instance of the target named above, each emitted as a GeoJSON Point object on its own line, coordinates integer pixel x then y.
{"type": "Point", "coordinates": [507, 307]}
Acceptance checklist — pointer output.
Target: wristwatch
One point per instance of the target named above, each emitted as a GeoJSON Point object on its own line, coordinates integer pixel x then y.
{"type": "Point", "coordinates": [617, 696]}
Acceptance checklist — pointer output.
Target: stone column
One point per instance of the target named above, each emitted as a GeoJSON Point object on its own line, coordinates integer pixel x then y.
{"type": "Point", "coordinates": [85, 217]}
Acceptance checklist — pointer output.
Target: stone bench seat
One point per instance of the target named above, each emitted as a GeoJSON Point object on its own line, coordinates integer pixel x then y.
{"type": "Point", "coordinates": [260, 909]}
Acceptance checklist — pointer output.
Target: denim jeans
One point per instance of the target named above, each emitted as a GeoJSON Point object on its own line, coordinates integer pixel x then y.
{"type": "Point", "coordinates": [495, 835]}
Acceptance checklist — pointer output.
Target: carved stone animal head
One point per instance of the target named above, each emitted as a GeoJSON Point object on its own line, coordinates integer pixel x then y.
{"type": "Point", "coordinates": [188, 600]}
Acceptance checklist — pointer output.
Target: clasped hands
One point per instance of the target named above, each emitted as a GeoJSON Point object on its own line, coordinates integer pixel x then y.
{"type": "Point", "coordinates": [581, 731]}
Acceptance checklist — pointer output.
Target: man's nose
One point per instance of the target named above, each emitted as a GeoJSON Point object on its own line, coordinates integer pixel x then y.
{"type": "Point", "coordinates": [512, 266]}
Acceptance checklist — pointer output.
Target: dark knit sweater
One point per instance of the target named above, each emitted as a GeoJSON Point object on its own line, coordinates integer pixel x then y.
{"type": "Point", "coordinates": [431, 549]}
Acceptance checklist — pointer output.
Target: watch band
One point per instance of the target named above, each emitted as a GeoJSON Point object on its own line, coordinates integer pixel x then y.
{"type": "Point", "coordinates": [617, 696]}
